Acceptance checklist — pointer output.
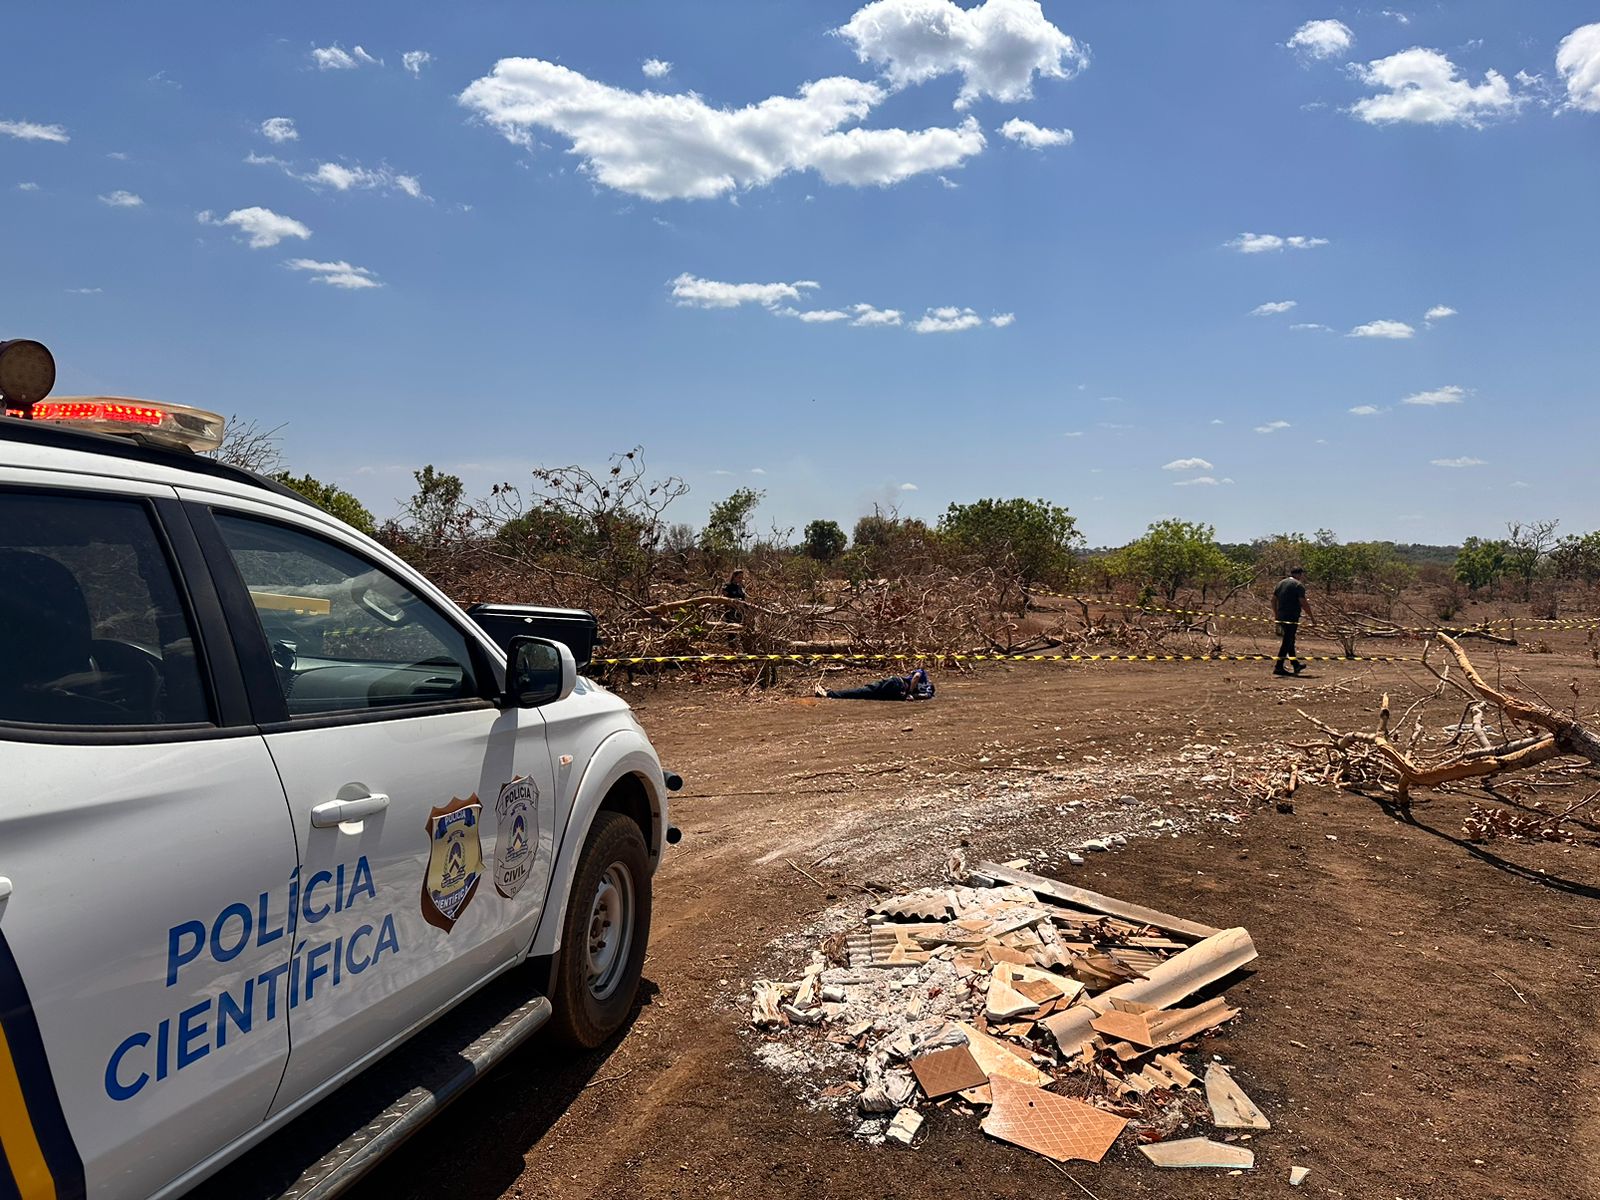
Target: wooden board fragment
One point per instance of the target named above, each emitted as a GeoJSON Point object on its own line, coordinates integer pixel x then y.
{"type": "Point", "coordinates": [1051, 1125]}
{"type": "Point", "coordinates": [1199, 1152]}
{"type": "Point", "coordinates": [1230, 1107]}
{"type": "Point", "coordinates": [1066, 893]}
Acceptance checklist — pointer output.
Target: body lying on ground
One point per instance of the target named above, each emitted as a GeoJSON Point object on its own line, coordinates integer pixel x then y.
{"type": "Point", "coordinates": [915, 686]}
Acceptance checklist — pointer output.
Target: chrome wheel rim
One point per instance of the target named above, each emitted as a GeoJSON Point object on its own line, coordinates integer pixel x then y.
{"type": "Point", "coordinates": [610, 931]}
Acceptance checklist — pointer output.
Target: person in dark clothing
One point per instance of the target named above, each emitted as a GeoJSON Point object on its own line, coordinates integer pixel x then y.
{"type": "Point", "coordinates": [1288, 603]}
{"type": "Point", "coordinates": [734, 590]}
{"type": "Point", "coordinates": [915, 686]}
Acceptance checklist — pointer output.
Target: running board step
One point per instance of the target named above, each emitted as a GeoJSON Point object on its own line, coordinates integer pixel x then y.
{"type": "Point", "coordinates": [398, 1095]}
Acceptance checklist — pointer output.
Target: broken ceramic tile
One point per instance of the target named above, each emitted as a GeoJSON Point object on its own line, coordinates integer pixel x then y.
{"type": "Point", "coordinates": [1230, 1107]}
{"type": "Point", "coordinates": [947, 1071]}
{"type": "Point", "coordinates": [904, 1127]}
{"type": "Point", "coordinates": [1051, 1125]}
{"type": "Point", "coordinates": [1198, 1152]}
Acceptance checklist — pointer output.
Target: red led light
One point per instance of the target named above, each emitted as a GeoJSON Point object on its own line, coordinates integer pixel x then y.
{"type": "Point", "coordinates": [122, 414]}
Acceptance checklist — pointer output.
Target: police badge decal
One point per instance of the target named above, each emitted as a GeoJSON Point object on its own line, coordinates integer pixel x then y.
{"type": "Point", "coordinates": [517, 808]}
{"type": "Point", "coordinates": [455, 861]}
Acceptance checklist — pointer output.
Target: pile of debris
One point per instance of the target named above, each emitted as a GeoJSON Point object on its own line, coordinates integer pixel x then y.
{"type": "Point", "coordinates": [1054, 1011]}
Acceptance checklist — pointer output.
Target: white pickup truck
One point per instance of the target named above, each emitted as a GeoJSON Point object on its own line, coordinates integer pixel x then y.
{"type": "Point", "coordinates": [291, 848]}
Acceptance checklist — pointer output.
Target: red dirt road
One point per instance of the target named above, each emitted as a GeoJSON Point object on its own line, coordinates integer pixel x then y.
{"type": "Point", "coordinates": [1421, 1023]}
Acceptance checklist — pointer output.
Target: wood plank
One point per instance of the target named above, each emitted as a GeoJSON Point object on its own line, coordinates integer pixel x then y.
{"type": "Point", "coordinates": [1066, 893]}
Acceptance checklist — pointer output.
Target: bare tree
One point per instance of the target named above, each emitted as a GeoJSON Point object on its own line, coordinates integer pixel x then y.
{"type": "Point", "coordinates": [247, 445]}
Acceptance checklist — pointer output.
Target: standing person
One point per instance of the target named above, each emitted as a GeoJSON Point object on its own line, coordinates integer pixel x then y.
{"type": "Point", "coordinates": [734, 590]}
{"type": "Point", "coordinates": [1288, 603]}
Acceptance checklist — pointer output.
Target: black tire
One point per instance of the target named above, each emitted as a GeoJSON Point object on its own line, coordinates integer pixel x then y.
{"type": "Point", "coordinates": [595, 979]}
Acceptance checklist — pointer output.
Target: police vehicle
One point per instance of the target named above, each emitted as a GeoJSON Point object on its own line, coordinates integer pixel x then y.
{"type": "Point", "coordinates": [291, 848]}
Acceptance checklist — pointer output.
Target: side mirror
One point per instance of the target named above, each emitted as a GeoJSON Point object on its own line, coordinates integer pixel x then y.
{"type": "Point", "coordinates": [538, 671]}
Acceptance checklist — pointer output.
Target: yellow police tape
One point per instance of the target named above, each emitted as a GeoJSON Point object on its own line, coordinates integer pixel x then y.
{"type": "Point", "coordinates": [1529, 622]}
{"type": "Point", "coordinates": [942, 658]}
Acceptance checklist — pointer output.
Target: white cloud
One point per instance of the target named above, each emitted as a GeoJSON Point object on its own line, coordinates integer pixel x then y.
{"type": "Point", "coordinates": [28, 187]}
{"type": "Point", "coordinates": [343, 178]}
{"type": "Point", "coordinates": [758, 470]}
{"type": "Point", "coordinates": [1217, 421]}
{"type": "Point", "coordinates": [1033, 136]}
{"type": "Point", "coordinates": [1311, 327]}
{"type": "Point", "coordinates": [415, 60]}
{"type": "Point", "coordinates": [1073, 433]}
{"type": "Point", "coordinates": [1272, 308]}
{"type": "Point", "coordinates": [335, 274]}
{"type": "Point", "coordinates": [1463, 461]}
{"type": "Point", "coordinates": [1262, 243]}
{"type": "Point", "coordinates": [908, 487]}
{"type": "Point", "coordinates": [814, 316]}
{"type": "Point", "coordinates": [1187, 464]}
{"type": "Point", "coordinates": [866, 314]}
{"type": "Point", "coordinates": [84, 291]}
{"type": "Point", "coordinates": [1001, 320]}
{"type": "Point", "coordinates": [997, 46]}
{"type": "Point", "coordinates": [1518, 483]}
{"type": "Point", "coordinates": [1578, 64]}
{"type": "Point", "coordinates": [1438, 313]}
{"type": "Point", "coordinates": [1199, 481]}
{"type": "Point", "coordinates": [261, 225]}
{"type": "Point", "coordinates": [121, 199]}
{"type": "Point", "coordinates": [1382, 329]}
{"type": "Point", "coordinates": [664, 147]}
{"type": "Point", "coordinates": [1272, 427]}
{"type": "Point", "coordinates": [335, 58]}
{"type": "Point", "coordinates": [1322, 39]}
{"type": "Point", "coordinates": [656, 68]}
{"type": "Point", "coordinates": [32, 131]}
{"type": "Point", "coordinates": [1395, 15]}
{"type": "Point", "coordinates": [280, 129]}
{"type": "Point", "coordinates": [947, 320]}
{"type": "Point", "coordinates": [1423, 89]}
{"type": "Point", "coordinates": [694, 292]}
{"type": "Point", "coordinates": [1366, 410]}
{"type": "Point", "coordinates": [1445, 395]}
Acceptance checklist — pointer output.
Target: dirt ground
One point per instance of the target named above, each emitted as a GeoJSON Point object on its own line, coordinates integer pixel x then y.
{"type": "Point", "coordinates": [1421, 1022]}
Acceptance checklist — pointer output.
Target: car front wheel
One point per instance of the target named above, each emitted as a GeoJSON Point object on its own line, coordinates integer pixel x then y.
{"type": "Point", "coordinates": [607, 928]}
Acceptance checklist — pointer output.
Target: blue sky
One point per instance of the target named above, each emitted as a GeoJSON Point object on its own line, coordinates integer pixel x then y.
{"type": "Point", "coordinates": [845, 253]}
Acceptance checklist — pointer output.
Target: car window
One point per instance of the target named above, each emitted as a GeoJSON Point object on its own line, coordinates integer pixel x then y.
{"type": "Point", "coordinates": [92, 631]}
{"type": "Point", "coordinates": [345, 634]}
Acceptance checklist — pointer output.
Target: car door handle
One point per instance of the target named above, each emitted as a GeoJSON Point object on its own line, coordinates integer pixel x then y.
{"type": "Point", "coordinates": [337, 812]}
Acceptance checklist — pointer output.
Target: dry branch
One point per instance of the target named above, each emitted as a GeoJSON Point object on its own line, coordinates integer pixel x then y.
{"type": "Point", "coordinates": [1358, 758]}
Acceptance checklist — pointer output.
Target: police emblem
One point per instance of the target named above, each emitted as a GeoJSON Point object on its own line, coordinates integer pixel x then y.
{"type": "Point", "coordinates": [517, 808]}
{"type": "Point", "coordinates": [455, 861]}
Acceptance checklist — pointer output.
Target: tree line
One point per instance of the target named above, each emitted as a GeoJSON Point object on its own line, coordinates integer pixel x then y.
{"type": "Point", "coordinates": [614, 527]}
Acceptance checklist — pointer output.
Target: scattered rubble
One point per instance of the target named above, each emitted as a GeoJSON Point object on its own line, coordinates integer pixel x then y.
{"type": "Point", "coordinates": [1060, 1015]}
